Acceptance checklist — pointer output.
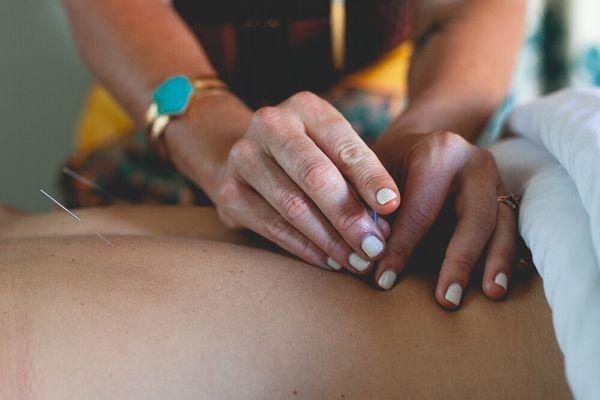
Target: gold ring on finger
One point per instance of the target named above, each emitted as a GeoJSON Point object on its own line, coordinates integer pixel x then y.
{"type": "Point", "coordinates": [511, 200]}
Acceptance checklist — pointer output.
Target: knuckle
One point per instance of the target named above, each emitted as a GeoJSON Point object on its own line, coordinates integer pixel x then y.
{"type": "Point", "coordinates": [439, 151]}
{"type": "Point", "coordinates": [294, 207]}
{"type": "Point", "coordinates": [447, 139]}
{"type": "Point", "coordinates": [307, 98]}
{"type": "Point", "coordinates": [427, 155]}
{"type": "Point", "coordinates": [487, 161]}
{"type": "Point", "coordinates": [462, 262]}
{"type": "Point", "coordinates": [504, 255]}
{"type": "Point", "coordinates": [349, 217]}
{"type": "Point", "coordinates": [229, 193]}
{"type": "Point", "coordinates": [296, 145]}
{"type": "Point", "coordinates": [422, 158]}
{"type": "Point", "coordinates": [241, 151]}
{"type": "Point", "coordinates": [349, 153]}
{"type": "Point", "coordinates": [332, 243]}
{"type": "Point", "coordinates": [446, 145]}
{"type": "Point", "coordinates": [316, 175]}
{"type": "Point", "coordinates": [305, 249]}
{"type": "Point", "coordinates": [278, 229]}
{"type": "Point", "coordinates": [268, 117]}
{"type": "Point", "coordinates": [421, 217]}
{"type": "Point", "coordinates": [370, 180]}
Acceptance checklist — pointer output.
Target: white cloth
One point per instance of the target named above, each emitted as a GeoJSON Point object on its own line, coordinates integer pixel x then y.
{"type": "Point", "coordinates": [567, 125]}
{"type": "Point", "coordinates": [556, 228]}
{"type": "Point", "coordinates": [556, 166]}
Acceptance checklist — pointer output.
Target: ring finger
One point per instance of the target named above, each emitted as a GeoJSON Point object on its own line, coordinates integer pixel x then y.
{"type": "Point", "coordinates": [501, 253]}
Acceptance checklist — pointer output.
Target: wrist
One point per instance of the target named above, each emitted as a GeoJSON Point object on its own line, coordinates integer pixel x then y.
{"type": "Point", "coordinates": [424, 114]}
{"type": "Point", "coordinates": [199, 141]}
{"type": "Point", "coordinates": [466, 115]}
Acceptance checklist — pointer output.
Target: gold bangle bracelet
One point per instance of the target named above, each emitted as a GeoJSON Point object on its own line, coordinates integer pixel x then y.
{"type": "Point", "coordinates": [209, 83]}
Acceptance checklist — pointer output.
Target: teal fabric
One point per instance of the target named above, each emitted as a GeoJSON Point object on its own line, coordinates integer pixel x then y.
{"type": "Point", "coordinates": [557, 52]}
{"type": "Point", "coordinates": [592, 64]}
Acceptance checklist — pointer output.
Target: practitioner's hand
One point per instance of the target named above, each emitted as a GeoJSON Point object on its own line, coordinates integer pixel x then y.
{"type": "Point", "coordinates": [297, 177]}
{"type": "Point", "coordinates": [430, 167]}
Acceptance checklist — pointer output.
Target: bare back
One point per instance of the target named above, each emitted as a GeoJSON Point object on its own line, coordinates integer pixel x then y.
{"type": "Point", "coordinates": [172, 315]}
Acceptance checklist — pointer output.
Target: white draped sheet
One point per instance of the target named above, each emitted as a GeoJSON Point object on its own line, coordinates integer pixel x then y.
{"type": "Point", "coordinates": [567, 125]}
{"type": "Point", "coordinates": [555, 164]}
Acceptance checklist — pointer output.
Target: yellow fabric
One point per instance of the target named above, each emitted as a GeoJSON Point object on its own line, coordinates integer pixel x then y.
{"type": "Point", "coordinates": [104, 121]}
{"type": "Point", "coordinates": [389, 75]}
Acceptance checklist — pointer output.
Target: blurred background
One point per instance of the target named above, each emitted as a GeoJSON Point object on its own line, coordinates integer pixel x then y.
{"type": "Point", "coordinates": [43, 83]}
{"type": "Point", "coordinates": [42, 89]}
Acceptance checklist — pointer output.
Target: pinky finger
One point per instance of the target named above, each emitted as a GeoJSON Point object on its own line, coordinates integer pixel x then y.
{"type": "Point", "coordinates": [501, 254]}
{"type": "Point", "coordinates": [257, 215]}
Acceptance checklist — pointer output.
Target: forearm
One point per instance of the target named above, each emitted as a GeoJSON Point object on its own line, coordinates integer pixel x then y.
{"type": "Point", "coordinates": [131, 46]}
{"type": "Point", "coordinates": [462, 69]}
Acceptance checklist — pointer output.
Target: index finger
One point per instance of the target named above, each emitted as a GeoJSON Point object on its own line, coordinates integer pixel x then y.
{"type": "Point", "coordinates": [339, 141]}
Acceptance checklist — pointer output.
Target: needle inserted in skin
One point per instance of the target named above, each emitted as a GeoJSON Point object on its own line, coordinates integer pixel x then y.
{"type": "Point", "coordinates": [73, 215]}
{"type": "Point", "coordinates": [60, 205]}
{"type": "Point", "coordinates": [105, 239]}
{"type": "Point", "coordinates": [374, 215]}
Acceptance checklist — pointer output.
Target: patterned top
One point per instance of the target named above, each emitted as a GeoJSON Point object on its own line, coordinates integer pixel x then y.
{"type": "Point", "coordinates": [268, 50]}
{"type": "Point", "coordinates": [562, 47]}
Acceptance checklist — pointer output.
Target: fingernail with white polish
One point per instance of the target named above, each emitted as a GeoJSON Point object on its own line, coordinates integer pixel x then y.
{"type": "Point", "coordinates": [333, 264]}
{"type": "Point", "coordinates": [501, 280]}
{"type": "Point", "coordinates": [454, 293]}
{"type": "Point", "coordinates": [387, 279]}
{"type": "Point", "coordinates": [385, 195]}
{"type": "Point", "coordinates": [358, 263]}
{"type": "Point", "coordinates": [372, 246]}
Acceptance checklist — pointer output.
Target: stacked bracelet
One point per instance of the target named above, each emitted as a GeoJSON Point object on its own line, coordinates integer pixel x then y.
{"type": "Point", "coordinates": [171, 99]}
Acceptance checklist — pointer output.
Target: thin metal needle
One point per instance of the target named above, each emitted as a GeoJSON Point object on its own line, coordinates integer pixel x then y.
{"type": "Point", "coordinates": [74, 216]}
{"type": "Point", "coordinates": [105, 239]}
{"type": "Point", "coordinates": [82, 179]}
{"type": "Point", "coordinates": [374, 215]}
{"type": "Point", "coordinates": [60, 205]}
{"type": "Point", "coordinates": [88, 182]}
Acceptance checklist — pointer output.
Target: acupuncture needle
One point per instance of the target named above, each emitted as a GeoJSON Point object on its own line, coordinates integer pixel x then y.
{"type": "Point", "coordinates": [374, 215]}
{"type": "Point", "coordinates": [90, 183]}
{"type": "Point", "coordinates": [72, 214]}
